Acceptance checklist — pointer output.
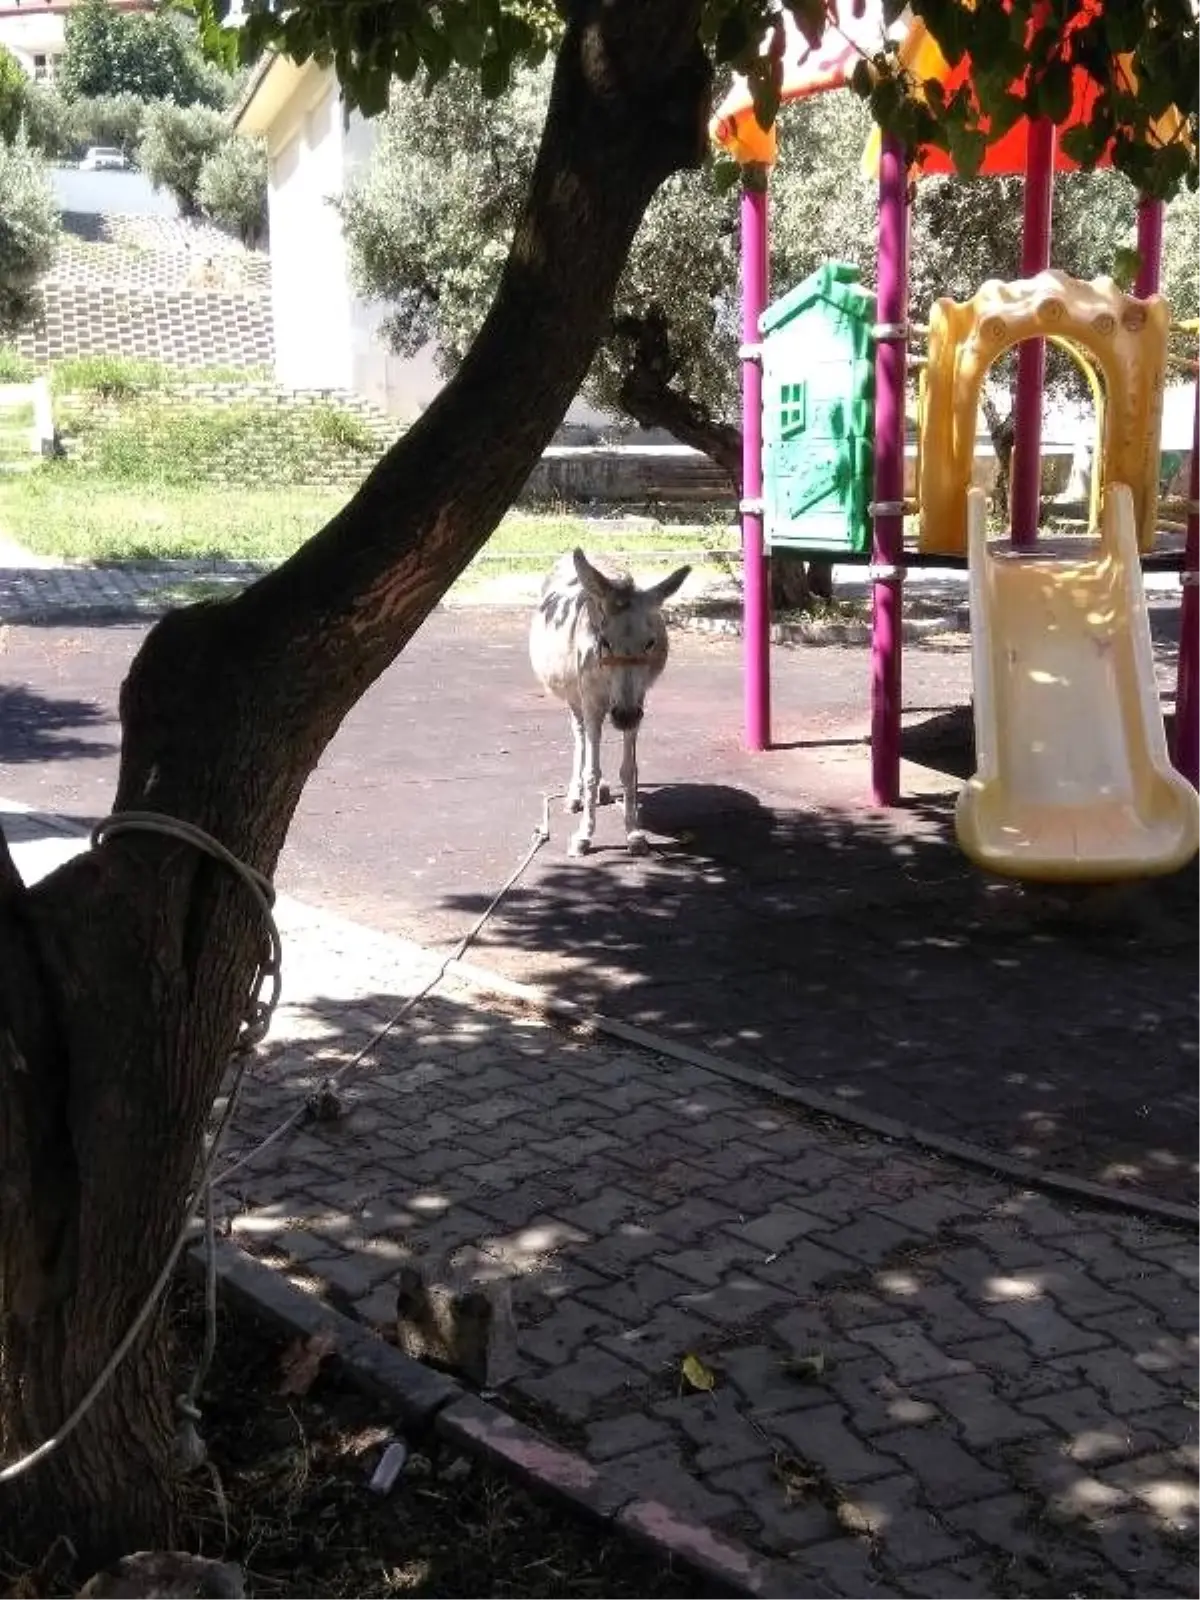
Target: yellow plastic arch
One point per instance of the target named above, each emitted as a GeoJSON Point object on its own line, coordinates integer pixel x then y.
{"type": "Point", "coordinates": [1127, 338]}
{"type": "Point", "coordinates": [1097, 388]}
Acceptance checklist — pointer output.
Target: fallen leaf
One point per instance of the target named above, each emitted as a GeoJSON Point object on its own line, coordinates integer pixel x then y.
{"type": "Point", "coordinates": [302, 1359]}
{"type": "Point", "coordinates": [807, 1368]}
{"type": "Point", "coordinates": [797, 1477]}
{"type": "Point", "coordinates": [696, 1375]}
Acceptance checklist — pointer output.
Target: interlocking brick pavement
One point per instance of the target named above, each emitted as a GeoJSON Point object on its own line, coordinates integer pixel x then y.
{"type": "Point", "coordinates": [969, 1390]}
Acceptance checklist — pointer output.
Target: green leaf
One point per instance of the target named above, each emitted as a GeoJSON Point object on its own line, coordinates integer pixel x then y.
{"type": "Point", "coordinates": [725, 174]}
{"type": "Point", "coordinates": [811, 18]}
{"type": "Point", "coordinates": [862, 79]}
{"type": "Point", "coordinates": [1126, 264]}
{"type": "Point", "coordinates": [967, 149]}
{"type": "Point", "coordinates": [493, 76]}
{"type": "Point", "coordinates": [1054, 92]}
{"type": "Point", "coordinates": [1082, 145]}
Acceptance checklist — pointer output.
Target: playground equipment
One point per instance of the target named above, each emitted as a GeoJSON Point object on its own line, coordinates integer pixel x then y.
{"type": "Point", "coordinates": [1060, 642]}
{"type": "Point", "coordinates": [824, 455]}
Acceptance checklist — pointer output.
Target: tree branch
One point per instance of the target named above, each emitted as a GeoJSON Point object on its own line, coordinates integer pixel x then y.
{"type": "Point", "coordinates": [646, 394]}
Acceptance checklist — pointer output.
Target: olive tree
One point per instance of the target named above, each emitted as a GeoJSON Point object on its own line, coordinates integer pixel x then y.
{"type": "Point", "coordinates": [29, 230]}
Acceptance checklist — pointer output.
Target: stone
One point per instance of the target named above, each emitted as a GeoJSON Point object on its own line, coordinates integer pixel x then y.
{"type": "Point", "coordinates": [167, 1575]}
{"type": "Point", "coordinates": [458, 1318]}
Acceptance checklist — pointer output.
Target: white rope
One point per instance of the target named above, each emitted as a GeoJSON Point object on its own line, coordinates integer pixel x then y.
{"type": "Point", "coordinates": [256, 1022]}
{"type": "Point", "coordinates": [541, 836]}
{"type": "Point", "coordinates": [16, 1468]}
{"type": "Point", "coordinates": [189, 1444]}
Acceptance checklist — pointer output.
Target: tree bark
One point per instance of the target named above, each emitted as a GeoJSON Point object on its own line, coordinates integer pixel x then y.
{"type": "Point", "coordinates": [648, 395]}
{"type": "Point", "coordinates": [1003, 433]}
{"type": "Point", "coordinates": [123, 975]}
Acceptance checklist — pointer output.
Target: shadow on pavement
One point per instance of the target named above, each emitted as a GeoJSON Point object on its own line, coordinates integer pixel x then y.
{"type": "Point", "coordinates": [41, 727]}
{"type": "Point", "coordinates": [860, 955]}
{"type": "Point", "coordinates": [886, 1335]}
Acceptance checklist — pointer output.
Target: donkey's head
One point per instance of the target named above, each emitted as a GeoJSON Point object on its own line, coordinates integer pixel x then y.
{"type": "Point", "coordinates": [630, 636]}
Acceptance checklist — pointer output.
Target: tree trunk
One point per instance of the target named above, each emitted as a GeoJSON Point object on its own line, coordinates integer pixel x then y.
{"type": "Point", "coordinates": [648, 396]}
{"type": "Point", "coordinates": [123, 975]}
{"type": "Point", "coordinates": [1003, 432]}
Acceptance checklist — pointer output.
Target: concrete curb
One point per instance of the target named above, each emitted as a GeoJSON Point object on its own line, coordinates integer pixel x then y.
{"type": "Point", "coordinates": [429, 1402]}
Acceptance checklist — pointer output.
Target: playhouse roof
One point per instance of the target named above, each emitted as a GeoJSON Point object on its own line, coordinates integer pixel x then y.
{"type": "Point", "coordinates": [808, 71]}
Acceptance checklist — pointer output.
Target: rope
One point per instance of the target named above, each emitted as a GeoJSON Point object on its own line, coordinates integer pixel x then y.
{"type": "Point", "coordinates": [255, 1024]}
{"type": "Point", "coordinates": [16, 1468]}
{"type": "Point", "coordinates": [541, 836]}
{"type": "Point", "coordinates": [257, 1021]}
{"type": "Point", "coordinates": [190, 1450]}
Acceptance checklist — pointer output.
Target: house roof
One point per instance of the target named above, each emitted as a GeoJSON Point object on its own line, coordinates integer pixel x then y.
{"type": "Point", "coordinates": [273, 84]}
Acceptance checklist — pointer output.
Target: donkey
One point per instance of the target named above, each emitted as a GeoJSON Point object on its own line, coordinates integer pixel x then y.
{"type": "Point", "coordinates": [598, 642]}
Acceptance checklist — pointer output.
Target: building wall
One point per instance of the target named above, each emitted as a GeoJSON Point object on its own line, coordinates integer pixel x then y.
{"type": "Point", "coordinates": [34, 30]}
{"type": "Point", "coordinates": [309, 292]}
{"type": "Point", "coordinates": [327, 336]}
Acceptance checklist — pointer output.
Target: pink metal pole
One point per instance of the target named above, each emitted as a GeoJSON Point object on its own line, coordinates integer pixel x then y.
{"type": "Point", "coordinates": [1031, 355]}
{"type": "Point", "coordinates": [1150, 244]}
{"type": "Point", "coordinates": [756, 599]}
{"type": "Point", "coordinates": [1187, 687]}
{"type": "Point", "coordinates": [891, 360]}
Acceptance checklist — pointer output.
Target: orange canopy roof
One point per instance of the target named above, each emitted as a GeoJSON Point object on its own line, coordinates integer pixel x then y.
{"type": "Point", "coordinates": [808, 71]}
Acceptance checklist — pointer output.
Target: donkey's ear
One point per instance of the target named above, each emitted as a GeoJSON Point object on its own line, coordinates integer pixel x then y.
{"type": "Point", "coordinates": [593, 582]}
{"type": "Point", "coordinates": [664, 590]}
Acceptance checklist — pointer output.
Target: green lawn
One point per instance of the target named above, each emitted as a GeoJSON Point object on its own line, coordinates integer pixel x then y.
{"type": "Point", "coordinates": [68, 511]}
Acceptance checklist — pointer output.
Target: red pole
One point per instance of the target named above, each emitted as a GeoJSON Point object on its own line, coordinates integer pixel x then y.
{"type": "Point", "coordinates": [1150, 244]}
{"type": "Point", "coordinates": [891, 357]}
{"type": "Point", "coordinates": [756, 597]}
{"type": "Point", "coordinates": [1026, 496]}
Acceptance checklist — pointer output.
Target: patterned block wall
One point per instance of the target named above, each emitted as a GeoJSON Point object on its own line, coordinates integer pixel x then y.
{"type": "Point", "coordinates": [156, 289]}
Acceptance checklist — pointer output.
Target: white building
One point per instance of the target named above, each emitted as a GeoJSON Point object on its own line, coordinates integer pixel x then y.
{"type": "Point", "coordinates": [326, 336]}
{"type": "Point", "coordinates": [35, 30]}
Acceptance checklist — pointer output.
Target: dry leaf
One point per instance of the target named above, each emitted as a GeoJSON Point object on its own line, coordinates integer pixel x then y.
{"type": "Point", "coordinates": [797, 1477]}
{"type": "Point", "coordinates": [696, 1375]}
{"type": "Point", "coordinates": [807, 1368]}
{"type": "Point", "coordinates": [301, 1361]}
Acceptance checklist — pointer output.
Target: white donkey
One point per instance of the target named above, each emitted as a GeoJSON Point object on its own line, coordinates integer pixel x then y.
{"type": "Point", "coordinates": [598, 642]}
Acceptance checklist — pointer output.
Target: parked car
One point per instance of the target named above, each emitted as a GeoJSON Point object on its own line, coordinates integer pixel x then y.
{"type": "Point", "coordinates": [104, 158]}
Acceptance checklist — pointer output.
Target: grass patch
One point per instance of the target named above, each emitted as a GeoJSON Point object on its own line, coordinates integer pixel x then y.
{"type": "Point", "coordinates": [14, 367]}
{"type": "Point", "coordinates": [152, 445]}
{"type": "Point", "coordinates": [121, 378]}
{"type": "Point", "coordinates": [64, 509]}
{"type": "Point", "coordinates": [61, 510]}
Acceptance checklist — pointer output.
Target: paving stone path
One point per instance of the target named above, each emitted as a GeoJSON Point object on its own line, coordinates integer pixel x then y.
{"type": "Point", "coordinates": [926, 1382]}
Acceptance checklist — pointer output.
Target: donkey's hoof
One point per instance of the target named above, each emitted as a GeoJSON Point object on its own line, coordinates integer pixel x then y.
{"type": "Point", "coordinates": [604, 796]}
{"type": "Point", "coordinates": [637, 842]}
{"type": "Point", "coordinates": [580, 844]}
{"type": "Point", "coordinates": [573, 804]}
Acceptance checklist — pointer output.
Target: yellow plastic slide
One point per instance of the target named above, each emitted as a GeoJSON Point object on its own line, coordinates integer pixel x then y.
{"type": "Point", "coordinates": [1074, 782]}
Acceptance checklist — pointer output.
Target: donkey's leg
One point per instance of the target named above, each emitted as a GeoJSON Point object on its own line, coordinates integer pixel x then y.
{"type": "Point", "coordinates": [634, 837]}
{"type": "Point", "coordinates": [593, 725]}
{"type": "Point", "coordinates": [574, 801]}
{"type": "Point", "coordinates": [575, 788]}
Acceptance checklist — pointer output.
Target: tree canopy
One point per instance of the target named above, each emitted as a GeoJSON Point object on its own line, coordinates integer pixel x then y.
{"type": "Point", "coordinates": [1137, 59]}
{"type": "Point", "coordinates": [155, 57]}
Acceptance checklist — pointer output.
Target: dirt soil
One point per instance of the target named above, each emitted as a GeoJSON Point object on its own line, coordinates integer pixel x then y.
{"type": "Point", "coordinates": [302, 1521]}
